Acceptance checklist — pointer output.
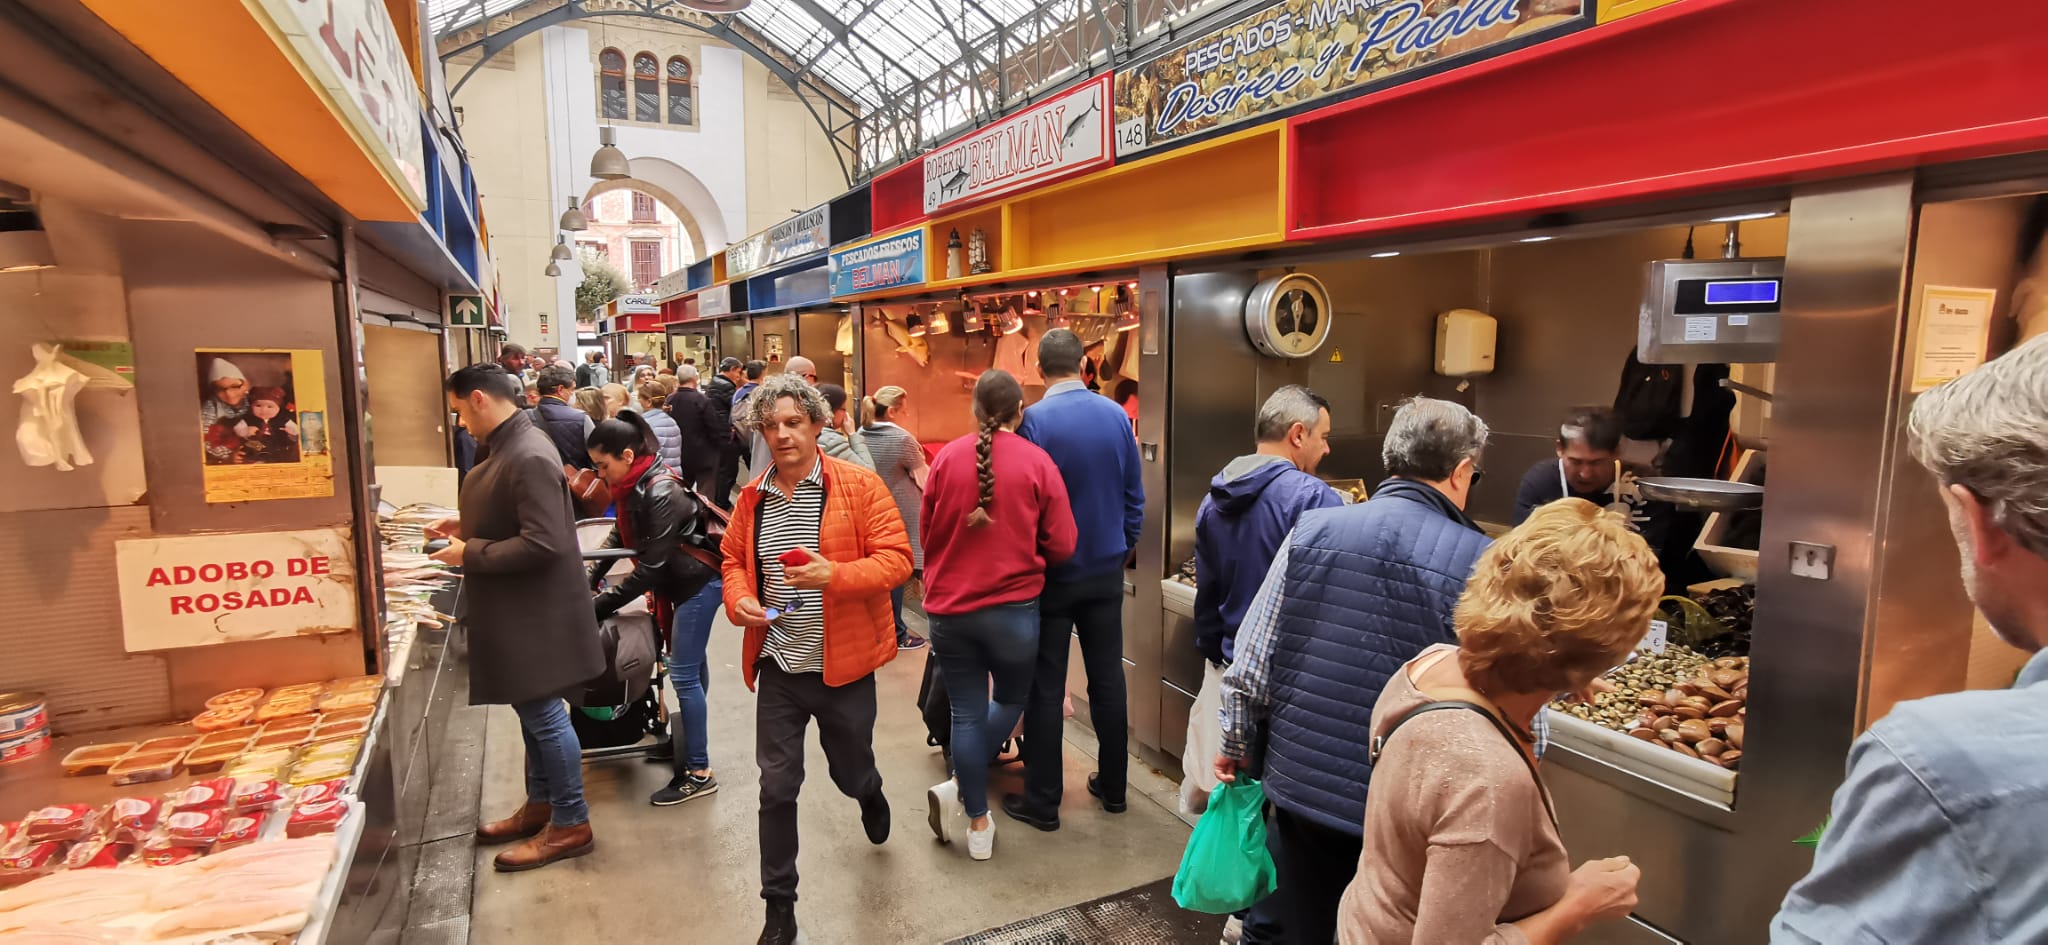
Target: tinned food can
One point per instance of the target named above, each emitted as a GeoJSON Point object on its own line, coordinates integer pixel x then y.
{"type": "Point", "coordinates": [21, 746]}
{"type": "Point", "coordinates": [22, 712]}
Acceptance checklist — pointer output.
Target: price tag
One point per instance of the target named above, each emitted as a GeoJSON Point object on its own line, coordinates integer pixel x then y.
{"type": "Point", "coordinates": [1658, 636]}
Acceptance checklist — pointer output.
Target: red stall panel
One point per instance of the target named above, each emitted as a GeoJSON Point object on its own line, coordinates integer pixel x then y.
{"type": "Point", "coordinates": [1700, 95]}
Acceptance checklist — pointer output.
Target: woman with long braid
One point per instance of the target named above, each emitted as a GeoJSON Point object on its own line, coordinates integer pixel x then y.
{"type": "Point", "coordinates": [995, 515]}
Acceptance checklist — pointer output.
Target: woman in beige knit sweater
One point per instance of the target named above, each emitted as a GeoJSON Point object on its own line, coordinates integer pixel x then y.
{"type": "Point", "coordinates": [1461, 846]}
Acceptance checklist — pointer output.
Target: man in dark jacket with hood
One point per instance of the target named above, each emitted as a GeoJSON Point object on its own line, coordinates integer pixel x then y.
{"type": "Point", "coordinates": [1353, 593]}
{"type": "Point", "coordinates": [532, 634]}
{"type": "Point", "coordinates": [565, 426]}
{"type": "Point", "coordinates": [720, 391]}
{"type": "Point", "coordinates": [1251, 506]}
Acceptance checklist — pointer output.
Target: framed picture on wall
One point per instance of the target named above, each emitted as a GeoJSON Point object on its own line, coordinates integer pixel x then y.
{"type": "Point", "coordinates": [775, 349]}
{"type": "Point", "coordinates": [262, 424]}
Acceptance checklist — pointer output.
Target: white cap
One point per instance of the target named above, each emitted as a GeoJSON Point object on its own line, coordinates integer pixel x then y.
{"type": "Point", "coordinates": [222, 370]}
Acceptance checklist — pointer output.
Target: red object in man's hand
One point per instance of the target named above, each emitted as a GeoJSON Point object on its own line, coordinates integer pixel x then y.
{"type": "Point", "coordinates": [795, 557]}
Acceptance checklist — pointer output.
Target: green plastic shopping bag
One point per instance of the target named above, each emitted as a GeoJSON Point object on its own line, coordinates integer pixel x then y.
{"type": "Point", "coordinates": [1226, 867]}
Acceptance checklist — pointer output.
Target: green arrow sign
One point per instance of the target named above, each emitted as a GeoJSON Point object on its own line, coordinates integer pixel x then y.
{"type": "Point", "coordinates": [466, 311]}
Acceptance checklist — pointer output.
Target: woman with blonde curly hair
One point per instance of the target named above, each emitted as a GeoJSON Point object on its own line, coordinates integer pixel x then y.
{"type": "Point", "coordinates": [1461, 844]}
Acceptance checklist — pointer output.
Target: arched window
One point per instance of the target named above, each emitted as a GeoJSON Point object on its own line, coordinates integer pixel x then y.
{"type": "Point", "coordinates": [646, 88]}
{"type": "Point", "coordinates": [611, 84]}
{"type": "Point", "coordinates": [681, 102]}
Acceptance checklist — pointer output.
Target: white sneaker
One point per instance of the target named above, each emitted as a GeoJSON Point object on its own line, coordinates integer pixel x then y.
{"type": "Point", "coordinates": [981, 844]}
{"type": "Point", "coordinates": [942, 801]}
{"type": "Point", "coordinates": [1233, 930]}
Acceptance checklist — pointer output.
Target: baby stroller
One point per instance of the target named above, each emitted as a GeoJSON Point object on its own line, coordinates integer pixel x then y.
{"type": "Point", "coordinates": [620, 713]}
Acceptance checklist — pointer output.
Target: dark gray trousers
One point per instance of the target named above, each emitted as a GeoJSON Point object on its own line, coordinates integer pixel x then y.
{"type": "Point", "coordinates": [782, 717]}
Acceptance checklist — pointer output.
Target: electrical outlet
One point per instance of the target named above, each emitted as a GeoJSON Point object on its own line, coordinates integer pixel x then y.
{"type": "Point", "coordinates": [1383, 415]}
{"type": "Point", "coordinates": [1813, 561]}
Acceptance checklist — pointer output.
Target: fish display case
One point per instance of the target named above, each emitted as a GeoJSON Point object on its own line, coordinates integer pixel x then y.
{"type": "Point", "coordinates": [211, 828]}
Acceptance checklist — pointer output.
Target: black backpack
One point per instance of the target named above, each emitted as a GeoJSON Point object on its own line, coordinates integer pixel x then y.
{"type": "Point", "coordinates": [1648, 402]}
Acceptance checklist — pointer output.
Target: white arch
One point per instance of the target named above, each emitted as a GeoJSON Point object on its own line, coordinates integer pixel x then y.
{"type": "Point", "coordinates": [691, 192]}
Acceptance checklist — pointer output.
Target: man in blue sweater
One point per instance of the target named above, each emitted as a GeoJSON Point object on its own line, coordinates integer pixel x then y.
{"type": "Point", "coordinates": [1089, 437]}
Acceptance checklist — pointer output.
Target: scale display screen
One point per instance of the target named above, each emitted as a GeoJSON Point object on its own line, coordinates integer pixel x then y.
{"type": "Point", "coordinates": [1742, 295]}
{"type": "Point", "coordinates": [1742, 292]}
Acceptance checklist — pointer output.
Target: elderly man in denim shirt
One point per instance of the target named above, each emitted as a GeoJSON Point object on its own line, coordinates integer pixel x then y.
{"type": "Point", "coordinates": [1939, 833]}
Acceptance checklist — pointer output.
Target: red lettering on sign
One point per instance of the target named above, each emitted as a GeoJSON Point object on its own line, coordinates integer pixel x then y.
{"type": "Point", "coordinates": [181, 605]}
{"type": "Point", "coordinates": [156, 577]}
{"type": "Point", "coordinates": [320, 565]}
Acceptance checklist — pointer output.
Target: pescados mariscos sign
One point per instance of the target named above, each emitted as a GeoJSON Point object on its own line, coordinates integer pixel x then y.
{"type": "Point", "coordinates": [1297, 51]}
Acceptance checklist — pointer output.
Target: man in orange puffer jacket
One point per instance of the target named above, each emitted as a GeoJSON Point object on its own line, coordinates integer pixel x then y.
{"type": "Point", "coordinates": [814, 548]}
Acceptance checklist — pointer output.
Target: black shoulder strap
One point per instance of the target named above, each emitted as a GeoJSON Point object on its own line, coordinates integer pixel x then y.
{"type": "Point", "coordinates": [1379, 743]}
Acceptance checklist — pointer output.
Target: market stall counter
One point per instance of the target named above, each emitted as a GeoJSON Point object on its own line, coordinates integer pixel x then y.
{"type": "Point", "coordinates": [245, 819]}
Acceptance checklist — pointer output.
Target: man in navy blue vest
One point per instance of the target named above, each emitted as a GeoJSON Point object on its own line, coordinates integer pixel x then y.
{"type": "Point", "coordinates": [1251, 506]}
{"type": "Point", "coordinates": [1353, 593]}
{"type": "Point", "coordinates": [1089, 437]}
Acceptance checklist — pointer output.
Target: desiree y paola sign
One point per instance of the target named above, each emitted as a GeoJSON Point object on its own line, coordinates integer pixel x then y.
{"type": "Point", "coordinates": [205, 589]}
{"type": "Point", "coordinates": [1297, 51]}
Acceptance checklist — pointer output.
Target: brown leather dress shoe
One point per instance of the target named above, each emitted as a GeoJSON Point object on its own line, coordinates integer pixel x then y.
{"type": "Point", "coordinates": [553, 843]}
{"type": "Point", "coordinates": [529, 821]}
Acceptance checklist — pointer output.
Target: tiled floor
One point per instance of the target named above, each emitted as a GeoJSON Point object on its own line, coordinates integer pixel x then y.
{"type": "Point", "coordinates": [691, 873]}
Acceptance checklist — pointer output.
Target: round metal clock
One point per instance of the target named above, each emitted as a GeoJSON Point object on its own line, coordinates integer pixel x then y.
{"type": "Point", "coordinates": [1288, 316]}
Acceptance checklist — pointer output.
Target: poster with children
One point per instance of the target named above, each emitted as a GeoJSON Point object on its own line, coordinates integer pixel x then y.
{"type": "Point", "coordinates": [262, 422]}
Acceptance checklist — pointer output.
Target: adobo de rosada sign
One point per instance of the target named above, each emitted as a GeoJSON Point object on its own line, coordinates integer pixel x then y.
{"type": "Point", "coordinates": [1297, 51]}
{"type": "Point", "coordinates": [1065, 134]}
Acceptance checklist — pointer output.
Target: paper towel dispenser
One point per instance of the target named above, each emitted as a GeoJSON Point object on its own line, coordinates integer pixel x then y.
{"type": "Point", "coordinates": [1464, 343]}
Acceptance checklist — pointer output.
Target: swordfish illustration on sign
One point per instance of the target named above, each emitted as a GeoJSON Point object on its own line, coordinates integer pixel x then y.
{"type": "Point", "coordinates": [1061, 135]}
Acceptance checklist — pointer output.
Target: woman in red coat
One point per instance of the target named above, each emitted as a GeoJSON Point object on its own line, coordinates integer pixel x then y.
{"type": "Point", "coordinates": [995, 514]}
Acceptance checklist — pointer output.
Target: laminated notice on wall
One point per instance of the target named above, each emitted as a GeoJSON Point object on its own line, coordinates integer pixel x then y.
{"type": "Point", "coordinates": [263, 424]}
{"type": "Point", "coordinates": [1955, 327]}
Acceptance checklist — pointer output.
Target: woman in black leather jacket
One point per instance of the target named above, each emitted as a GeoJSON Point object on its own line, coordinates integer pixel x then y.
{"type": "Point", "coordinates": [659, 518]}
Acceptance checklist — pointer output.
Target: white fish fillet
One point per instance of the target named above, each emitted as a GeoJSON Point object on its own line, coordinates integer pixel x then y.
{"type": "Point", "coordinates": [83, 908]}
{"type": "Point", "coordinates": [275, 911]}
{"type": "Point", "coordinates": [59, 936]}
{"type": "Point", "coordinates": [60, 885]}
{"type": "Point", "coordinates": [258, 876]}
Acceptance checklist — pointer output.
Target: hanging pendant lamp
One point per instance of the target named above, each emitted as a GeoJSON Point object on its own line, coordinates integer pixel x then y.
{"type": "Point", "coordinates": [561, 251]}
{"type": "Point", "coordinates": [939, 324]}
{"type": "Point", "coordinates": [914, 325]}
{"type": "Point", "coordinates": [573, 219]}
{"type": "Point", "coordinates": [554, 269]}
{"type": "Point", "coordinates": [609, 163]}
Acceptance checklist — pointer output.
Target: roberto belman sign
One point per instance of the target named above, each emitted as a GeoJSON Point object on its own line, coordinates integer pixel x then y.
{"type": "Point", "coordinates": [1298, 51]}
{"type": "Point", "coordinates": [1062, 135]}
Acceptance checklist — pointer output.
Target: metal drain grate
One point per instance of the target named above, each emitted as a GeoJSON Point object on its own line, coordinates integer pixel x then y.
{"type": "Point", "coordinates": [1146, 915]}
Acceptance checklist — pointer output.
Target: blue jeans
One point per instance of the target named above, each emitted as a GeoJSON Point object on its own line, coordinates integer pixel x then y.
{"type": "Point", "coordinates": [686, 672]}
{"type": "Point", "coordinates": [554, 760]}
{"type": "Point", "coordinates": [999, 642]}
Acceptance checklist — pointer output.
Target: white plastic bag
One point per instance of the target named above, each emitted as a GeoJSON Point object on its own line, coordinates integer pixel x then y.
{"type": "Point", "coordinates": [1205, 742]}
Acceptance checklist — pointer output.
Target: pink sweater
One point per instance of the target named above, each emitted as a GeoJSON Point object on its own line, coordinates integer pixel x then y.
{"type": "Point", "coordinates": [1003, 562]}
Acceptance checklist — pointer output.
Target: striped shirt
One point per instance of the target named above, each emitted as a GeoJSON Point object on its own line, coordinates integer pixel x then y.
{"type": "Point", "coordinates": [796, 641]}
